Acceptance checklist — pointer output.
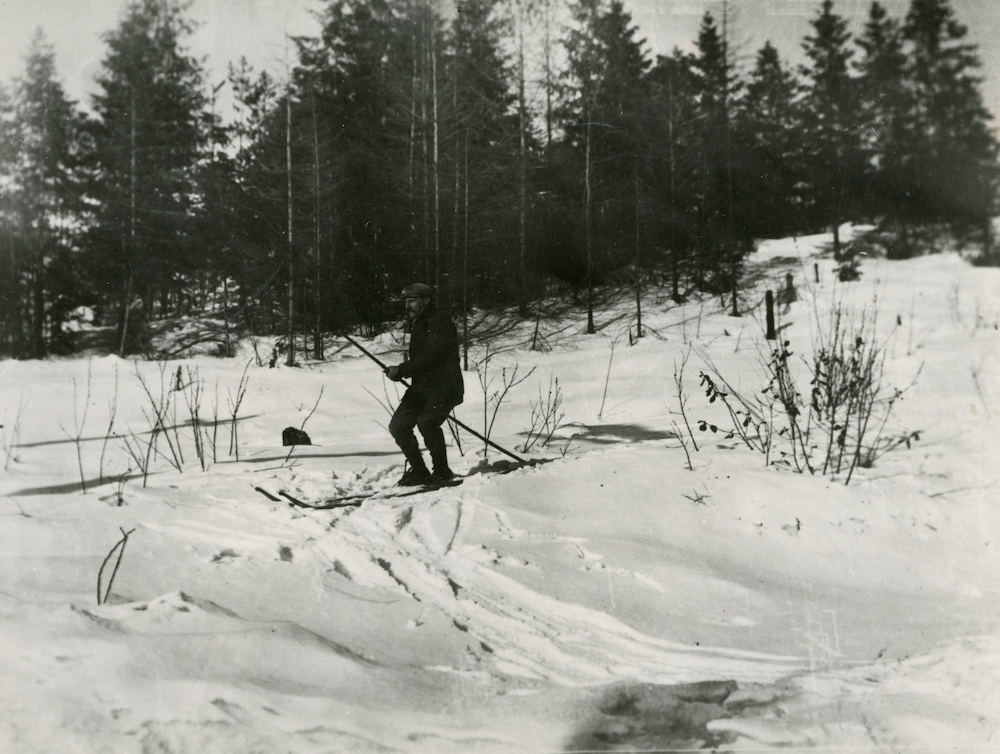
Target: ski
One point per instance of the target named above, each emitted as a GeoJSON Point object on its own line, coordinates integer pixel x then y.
{"type": "Point", "coordinates": [353, 500]}
{"type": "Point", "coordinates": [427, 487]}
{"type": "Point", "coordinates": [347, 501]}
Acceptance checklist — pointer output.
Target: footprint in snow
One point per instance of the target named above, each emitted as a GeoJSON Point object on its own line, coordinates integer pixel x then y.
{"type": "Point", "coordinates": [793, 529]}
{"type": "Point", "coordinates": [226, 555]}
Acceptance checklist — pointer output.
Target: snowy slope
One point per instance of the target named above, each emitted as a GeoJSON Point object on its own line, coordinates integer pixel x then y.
{"type": "Point", "coordinates": [611, 598]}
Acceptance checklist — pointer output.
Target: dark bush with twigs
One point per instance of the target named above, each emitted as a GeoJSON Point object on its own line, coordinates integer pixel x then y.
{"type": "Point", "coordinates": [833, 427]}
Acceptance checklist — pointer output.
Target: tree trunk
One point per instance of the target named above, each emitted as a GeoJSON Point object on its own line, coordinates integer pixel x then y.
{"type": "Point", "coordinates": [428, 241]}
{"type": "Point", "coordinates": [126, 308]}
{"type": "Point", "coordinates": [225, 315]}
{"type": "Point", "coordinates": [453, 261]}
{"type": "Point", "coordinates": [410, 167]}
{"type": "Point", "coordinates": [727, 123]}
{"type": "Point", "coordinates": [37, 341]}
{"type": "Point", "coordinates": [437, 165]}
{"type": "Point", "coordinates": [736, 280]}
{"type": "Point", "coordinates": [547, 21]}
{"type": "Point", "coordinates": [675, 262]}
{"type": "Point", "coordinates": [290, 333]}
{"type": "Point", "coordinates": [587, 229]}
{"type": "Point", "coordinates": [465, 262]}
{"type": "Point", "coordinates": [522, 106]}
{"type": "Point", "coordinates": [318, 337]}
{"type": "Point", "coordinates": [9, 310]}
{"type": "Point", "coordinates": [129, 244]}
{"type": "Point", "coordinates": [638, 260]}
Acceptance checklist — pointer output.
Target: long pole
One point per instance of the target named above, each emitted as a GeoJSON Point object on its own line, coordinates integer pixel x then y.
{"type": "Point", "coordinates": [467, 428]}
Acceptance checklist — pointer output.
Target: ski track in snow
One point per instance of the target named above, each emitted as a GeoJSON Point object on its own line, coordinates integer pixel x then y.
{"type": "Point", "coordinates": [527, 634]}
{"type": "Point", "coordinates": [536, 610]}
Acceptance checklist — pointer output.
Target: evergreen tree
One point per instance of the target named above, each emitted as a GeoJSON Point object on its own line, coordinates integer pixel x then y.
{"type": "Point", "coordinates": [604, 81]}
{"type": "Point", "coordinates": [275, 200]}
{"type": "Point", "coordinates": [323, 153]}
{"type": "Point", "coordinates": [723, 197]}
{"type": "Point", "coordinates": [424, 27]}
{"type": "Point", "coordinates": [830, 126]}
{"type": "Point", "coordinates": [521, 14]}
{"type": "Point", "coordinates": [769, 133]}
{"type": "Point", "coordinates": [953, 151]}
{"type": "Point", "coordinates": [248, 209]}
{"type": "Point", "coordinates": [214, 227]}
{"type": "Point", "coordinates": [673, 156]}
{"type": "Point", "coordinates": [45, 197]}
{"type": "Point", "coordinates": [491, 148]}
{"type": "Point", "coordinates": [377, 69]}
{"type": "Point", "coordinates": [148, 140]}
{"type": "Point", "coordinates": [623, 146]}
{"type": "Point", "coordinates": [885, 100]}
{"type": "Point", "coordinates": [10, 333]}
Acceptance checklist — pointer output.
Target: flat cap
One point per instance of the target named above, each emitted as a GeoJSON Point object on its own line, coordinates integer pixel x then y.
{"type": "Point", "coordinates": [417, 290]}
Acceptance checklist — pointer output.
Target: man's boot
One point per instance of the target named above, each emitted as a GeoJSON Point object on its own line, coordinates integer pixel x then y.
{"type": "Point", "coordinates": [439, 458]}
{"type": "Point", "coordinates": [417, 474]}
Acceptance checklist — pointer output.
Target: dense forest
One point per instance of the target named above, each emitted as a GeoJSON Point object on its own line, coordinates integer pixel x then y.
{"type": "Point", "coordinates": [504, 151]}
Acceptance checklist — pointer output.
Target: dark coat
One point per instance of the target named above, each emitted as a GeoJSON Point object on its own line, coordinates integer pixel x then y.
{"type": "Point", "coordinates": [432, 362]}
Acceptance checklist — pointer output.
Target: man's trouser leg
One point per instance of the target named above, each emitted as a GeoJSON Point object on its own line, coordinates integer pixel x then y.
{"type": "Point", "coordinates": [401, 428]}
{"type": "Point", "coordinates": [429, 422]}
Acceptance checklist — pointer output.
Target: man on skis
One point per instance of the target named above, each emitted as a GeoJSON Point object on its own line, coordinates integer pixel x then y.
{"type": "Point", "coordinates": [432, 365]}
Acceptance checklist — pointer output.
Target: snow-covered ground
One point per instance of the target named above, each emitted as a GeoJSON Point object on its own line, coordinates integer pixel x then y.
{"type": "Point", "coordinates": [615, 597]}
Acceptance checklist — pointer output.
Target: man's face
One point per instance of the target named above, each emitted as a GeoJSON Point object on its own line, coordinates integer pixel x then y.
{"type": "Point", "coordinates": [415, 307]}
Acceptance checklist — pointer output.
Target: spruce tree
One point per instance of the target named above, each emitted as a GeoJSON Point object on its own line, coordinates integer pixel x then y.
{"type": "Point", "coordinates": [830, 125]}
{"type": "Point", "coordinates": [952, 148]}
{"type": "Point", "coordinates": [148, 140]}
{"type": "Point", "coordinates": [378, 73]}
{"type": "Point", "coordinates": [884, 100]}
{"type": "Point", "coordinates": [673, 149]}
{"type": "Point", "coordinates": [248, 211]}
{"type": "Point", "coordinates": [604, 84]}
{"type": "Point", "coordinates": [491, 148]}
{"type": "Point", "coordinates": [769, 125]}
{"type": "Point", "coordinates": [10, 334]}
{"type": "Point", "coordinates": [45, 196]}
{"type": "Point", "coordinates": [723, 197]}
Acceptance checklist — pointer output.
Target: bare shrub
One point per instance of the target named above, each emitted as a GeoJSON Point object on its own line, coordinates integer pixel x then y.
{"type": "Point", "coordinates": [494, 398]}
{"type": "Point", "coordinates": [79, 423]}
{"type": "Point", "coordinates": [235, 401]}
{"type": "Point", "coordinates": [112, 414]}
{"type": "Point", "coordinates": [193, 390]}
{"type": "Point", "coordinates": [748, 424]}
{"type": "Point", "coordinates": [849, 398]}
{"type": "Point", "coordinates": [120, 487]}
{"type": "Point", "coordinates": [161, 417]}
{"type": "Point", "coordinates": [212, 437]}
{"type": "Point", "coordinates": [120, 549]}
{"type": "Point", "coordinates": [683, 444]}
{"type": "Point", "coordinates": [10, 436]}
{"type": "Point", "coordinates": [140, 455]}
{"type": "Point", "coordinates": [546, 416]}
{"type": "Point", "coordinates": [682, 399]}
{"type": "Point", "coordinates": [835, 426]}
{"type": "Point", "coordinates": [162, 420]}
{"type": "Point", "coordinates": [607, 379]}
